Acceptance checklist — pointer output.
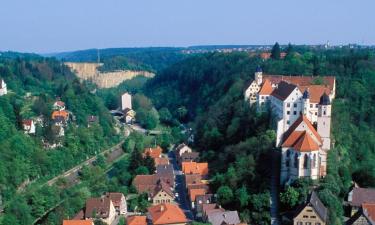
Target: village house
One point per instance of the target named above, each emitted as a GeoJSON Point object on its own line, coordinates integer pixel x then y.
{"type": "Point", "coordinates": [210, 208]}
{"type": "Point", "coordinates": [165, 213]}
{"type": "Point", "coordinates": [364, 216]}
{"type": "Point", "coordinates": [119, 202]}
{"type": "Point", "coordinates": [100, 208]}
{"type": "Point", "coordinates": [189, 157]}
{"type": "Point", "coordinates": [162, 194]}
{"type": "Point", "coordinates": [166, 173]}
{"type": "Point", "coordinates": [77, 222]}
{"type": "Point", "coordinates": [200, 200]}
{"type": "Point", "coordinates": [358, 196]}
{"type": "Point", "coordinates": [3, 88]}
{"type": "Point", "coordinates": [91, 120]}
{"type": "Point", "coordinates": [193, 193]}
{"type": "Point", "coordinates": [145, 183]}
{"type": "Point", "coordinates": [129, 115]}
{"type": "Point", "coordinates": [161, 161]}
{"type": "Point", "coordinates": [28, 126]}
{"type": "Point", "coordinates": [153, 152]}
{"type": "Point", "coordinates": [312, 212]}
{"type": "Point", "coordinates": [179, 150]}
{"type": "Point", "coordinates": [60, 118]}
{"type": "Point", "coordinates": [195, 168]}
{"type": "Point", "coordinates": [224, 218]}
{"type": "Point", "coordinates": [58, 105]}
{"type": "Point", "coordinates": [126, 101]}
{"type": "Point", "coordinates": [136, 220]}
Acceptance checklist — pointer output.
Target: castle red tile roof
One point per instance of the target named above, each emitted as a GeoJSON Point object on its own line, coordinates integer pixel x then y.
{"type": "Point", "coordinates": [136, 220]}
{"type": "Point", "coordinates": [305, 143]}
{"type": "Point", "coordinates": [316, 91]}
{"type": "Point", "coordinates": [166, 214]}
{"type": "Point", "coordinates": [294, 126]}
{"type": "Point", "coordinates": [266, 88]}
{"type": "Point", "coordinates": [193, 193]}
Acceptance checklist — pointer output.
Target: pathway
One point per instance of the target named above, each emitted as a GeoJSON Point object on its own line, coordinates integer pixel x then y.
{"type": "Point", "coordinates": [275, 186]}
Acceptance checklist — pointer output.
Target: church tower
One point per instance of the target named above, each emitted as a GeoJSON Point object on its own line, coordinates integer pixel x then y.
{"type": "Point", "coordinates": [258, 75]}
{"type": "Point", "coordinates": [324, 121]}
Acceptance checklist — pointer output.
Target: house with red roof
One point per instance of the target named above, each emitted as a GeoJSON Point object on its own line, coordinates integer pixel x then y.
{"type": "Point", "coordinates": [165, 213]}
{"type": "Point", "coordinates": [153, 152]}
{"type": "Point", "coordinates": [28, 126]}
{"type": "Point", "coordinates": [100, 208]}
{"type": "Point", "coordinates": [59, 105]}
{"type": "Point", "coordinates": [364, 216]}
{"type": "Point", "coordinates": [119, 202]}
{"type": "Point", "coordinates": [195, 168]}
{"type": "Point", "coordinates": [136, 220]}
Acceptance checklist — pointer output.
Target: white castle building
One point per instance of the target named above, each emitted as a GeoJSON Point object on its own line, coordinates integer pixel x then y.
{"type": "Point", "coordinates": [126, 101]}
{"type": "Point", "coordinates": [301, 114]}
{"type": "Point", "coordinates": [3, 87]}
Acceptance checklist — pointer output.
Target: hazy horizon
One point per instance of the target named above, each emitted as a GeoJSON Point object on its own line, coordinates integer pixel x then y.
{"type": "Point", "coordinates": [42, 26]}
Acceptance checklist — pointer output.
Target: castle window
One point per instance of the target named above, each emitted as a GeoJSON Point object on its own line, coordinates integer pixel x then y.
{"type": "Point", "coordinates": [295, 113]}
{"type": "Point", "coordinates": [288, 105]}
{"type": "Point", "coordinates": [316, 105]}
{"type": "Point", "coordinates": [314, 161]}
{"type": "Point", "coordinates": [296, 161]}
{"type": "Point", "coordinates": [305, 216]}
{"type": "Point", "coordinates": [311, 105]}
{"type": "Point", "coordinates": [295, 104]}
{"type": "Point", "coordinates": [316, 113]}
{"type": "Point", "coordinates": [305, 161]}
{"type": "Point", "coordinates": [287, 112]}
{"type": "Point", "coordinates": [288, 122]}
{"type": "Point", "coordinates": [324, 112]}
{"type": "Point", "coordinates": [262, 97]}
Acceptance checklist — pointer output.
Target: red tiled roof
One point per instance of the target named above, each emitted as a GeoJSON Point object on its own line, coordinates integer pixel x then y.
{"type": "Point", "coordinates": [193, 179]}
{"type": "Point", "coordinates": [328, 81]}
{"type": "Point", "coordinates": [266, 88]}
{"type": "Point", "coordinates": [161, 161]}
{"type": "Point", "coordinates": [193, 193]}
{"type": "Point", "coordinates": [362, 195]}
{"type": "Point", "coordinates": [265, 55]}
{"type": "Point", "coordinates": [60, 103]}
{"type": "Point", "coordinates": [116, 198]}
{"type": "Point", "coordinates": [369, 210]}
{"type": "Point", "coordinates": [136, 220]}
{"type": "Point", "coordinates": [153, 152]}
{"type": "Point", "coordinates": [163, 186]}
{"type": "Point", "coordinates": [195, 168]}
{"type": "Point", "coordinates": [27, 122]}
{"type": "Point", "coordinates": [99, 206]}
{"type": "Point", "coordinates": [77, 222]}
{"type": "Point", "coordinates": [62, 113]}
{"type": "Point", "coordinates": [305, 143]}
{"type": "Point", "coordinates": [145, 183]}
{"type": "Point", "coordinates": [166, 214]}
{"type": "Point", "coordinates": [301, 119]}
{"type": "Point", "coordinates": [316, 91]}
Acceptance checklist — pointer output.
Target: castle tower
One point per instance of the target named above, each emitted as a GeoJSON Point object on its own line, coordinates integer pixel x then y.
{"type": "Point", "coordinates": [306, 102]}
{"type": "Point", "coordinates": [324, 121]}
{"type": "Point", "coordinates": [258, 75]}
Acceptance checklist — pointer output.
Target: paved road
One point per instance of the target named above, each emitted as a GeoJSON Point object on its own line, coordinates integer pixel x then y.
{"type": "Point", "coordinates": [72, 175]}
{"type": "Point", "coordinates": [275, 188]}
{"type": "Point", "coordinates": [182, 197]}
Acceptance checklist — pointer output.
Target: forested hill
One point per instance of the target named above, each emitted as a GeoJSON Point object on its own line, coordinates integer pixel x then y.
{"type": "Point", "coordinates": [34, 84]}
{"type": "Point", "coordinates": [207, 91]}
{"type": "Point", "coordinates": [150, 59]}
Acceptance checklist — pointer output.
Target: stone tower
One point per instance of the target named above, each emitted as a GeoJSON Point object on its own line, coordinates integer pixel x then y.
{"type": "Point", "coordinates": [258, 75]}
{"type": "Point", "coordinates": [324, 121]}
{"type": "Point", "coordinates": [306, 102]}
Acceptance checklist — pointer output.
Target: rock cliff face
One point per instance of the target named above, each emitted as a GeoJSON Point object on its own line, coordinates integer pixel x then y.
{"type": "Point", "coordinates": [89, 71]}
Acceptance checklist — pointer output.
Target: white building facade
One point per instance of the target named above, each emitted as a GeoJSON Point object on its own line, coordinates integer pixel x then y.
{"type": "Point", "coordinates": [126, 101]}
{"type": "Point", "coordinates": [3, 87]}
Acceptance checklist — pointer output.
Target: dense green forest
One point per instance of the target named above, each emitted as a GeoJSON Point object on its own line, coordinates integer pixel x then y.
{"type": "Point", "coordinates": [34, 84]}
{"type": "Point", "coordinates": [207, 91]}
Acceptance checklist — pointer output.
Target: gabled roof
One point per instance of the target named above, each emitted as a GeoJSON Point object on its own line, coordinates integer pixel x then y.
{"type": "Point", "coordinates": [193, 179]}
{"type": "Point", "coordinates": [301, 141]}
{"type": "Point", "coordinates": [309, 126]}
{"type": "Point", "coordinates": [60, 103]}
{"type": "Point", "coordinates": [116, 198]}
{"type": "Point", "coordinates": [369, 211]}
{"type": "Point", "coordinates": [315, 92]}
{"type": "Point", "coordinates": [227, 217]}
{"type": "Point", "coordinates": [145, 183]}
{"type": "Point", "coordinates": [161, 161]}
{"type": "Point", "coordinates": [153, 152]}
{"type": "Point", "coordinates": [77, 222]}
{"type": "Point", "coordinates": [60, 114]}
{"type": "Point", "coordinates": [195, 168]}
{"type": "Point", "coordinates": [193, 193]}
{"type": "Point", "coordinates": [99, 206]}
{"type": "Point", "coordinates": [165, 173]}
{"type": "Point", "coordinates": [166, 214]}
{"type": "Point", "coordinates": [136, 220]}
{"type": "Point", "coordinates": [163, 186]}
{"type": "Point", "coordinates": [189, 156]}
{"type": "Point", "coordinates": [362, 195]}
{"type": "Point", "coordinates": [317, 205]}
{"type": "Point", "coordinates": [283, 90]}
{"type": "Point", "coordinates": [266, 88]}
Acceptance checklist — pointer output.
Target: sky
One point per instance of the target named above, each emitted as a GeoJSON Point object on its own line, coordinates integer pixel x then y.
{"type": "Point", "coordinates": [45, 26]}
